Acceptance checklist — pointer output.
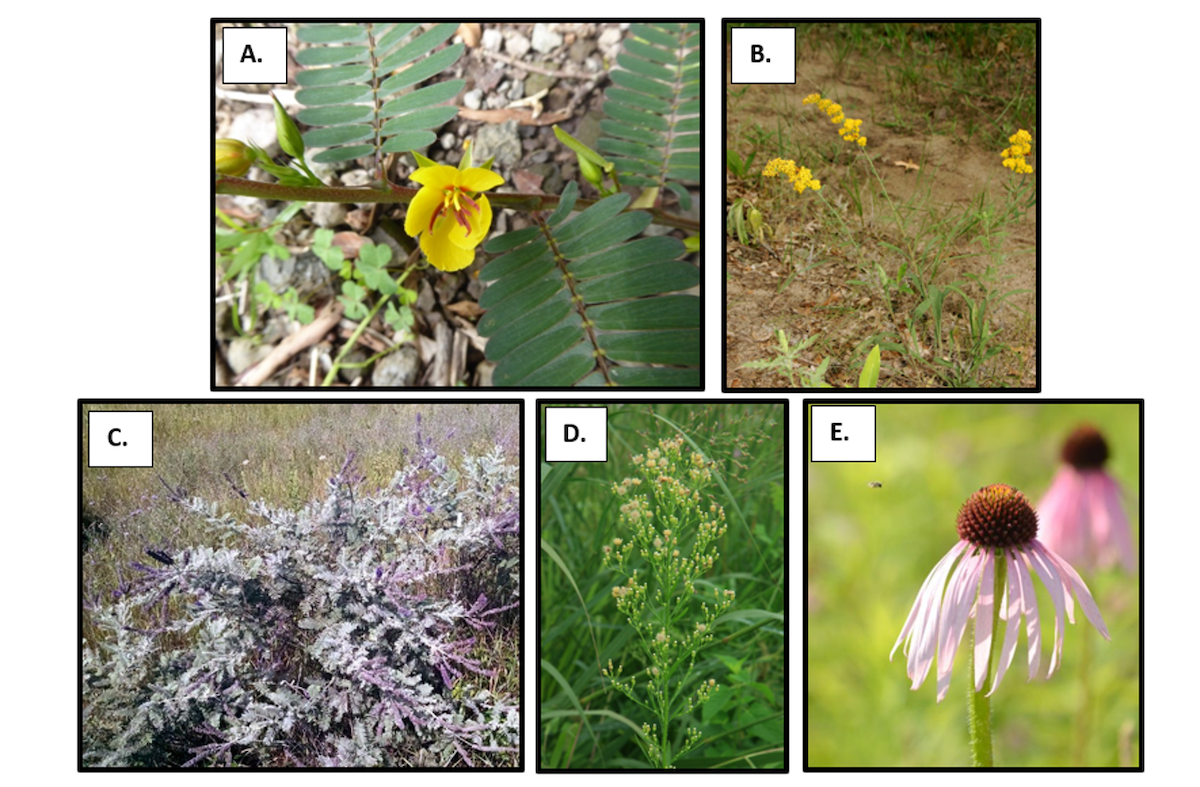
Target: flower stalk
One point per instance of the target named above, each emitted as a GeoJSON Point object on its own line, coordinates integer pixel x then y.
{"type": "Point", "coordinates": [979, 703]}
{"type": "Point", "coordinates": [674, 530]}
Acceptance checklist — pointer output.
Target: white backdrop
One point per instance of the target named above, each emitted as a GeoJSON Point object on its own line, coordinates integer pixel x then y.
{"type": "Point", "coordinates": [107, 225]}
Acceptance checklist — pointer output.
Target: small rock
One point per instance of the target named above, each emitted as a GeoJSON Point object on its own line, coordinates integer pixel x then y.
{"type": "Point", "coordinates": [580, 50]}
{"type": "Point", "coordinates": [323, 170]}
{"type": "Point", "coordinates": [544, 39]}
{"type": "Point", "coordinates": [499, 140]}
{"type": "Point", "coordinates": [551, 178]}
{"type": "Point", "coordinates": [610, 41]}
{"type": "Point", "coordinates": [257, 126]}
{"type": "Point", "coordinates": [540, 157]}
{"type": "Point", "coordinates": [398, 369]}
{"type": "Point", "coordinates": [326, 214]}
{"type": "Point", "coordinates": [517, 91]}
{"type": "Point", "coordinates": [492, 39]}
{"type": "Point", "coordinates": [351, 373]}
{"type": "Point", "coordinates": [536, 83]}
{"type": "Point", "coordinates": [356, 177]}
{"type": "Point", "coordinates": [588, 129]}
{"type": "Point", "coordinates": [307, 273]}
{"type": "Point", "coordinates": [359, 219]}
{"type": "Point", "coordinates": [517, 46]}
{"type": "Point", "coordinates": [244, 352]}
{"type": "Point", "coordinates": [473, 99]}
{"type": "Point", "coordinates": [447, 141]}
{"type": "Point", "coordinates": [425, 298]}
{"type": "Point", "coordinates": [250, 204]}
{"type": "Point", "coordinates": [224, 319]}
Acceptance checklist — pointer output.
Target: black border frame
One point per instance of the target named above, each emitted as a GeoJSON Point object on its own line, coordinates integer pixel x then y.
{"type": "Point", "coordinates": [725, 68]}
{"type": "Point", "coordinates": [1141, 405]}
{"type": "Point", "coordinates": [81, 411]}
{"type": "Point", "coordinates": [210, 272]}
{"type": "Point", "coordinates": [535, 701]}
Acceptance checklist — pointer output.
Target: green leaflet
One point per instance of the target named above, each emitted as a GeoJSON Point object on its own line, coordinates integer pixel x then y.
{"type": "Point", "coordinates": [350, 118]}
{"type": "Point", "coordinates": [653, 118]}
{"type": "Point", "coordinates": [633, 308]}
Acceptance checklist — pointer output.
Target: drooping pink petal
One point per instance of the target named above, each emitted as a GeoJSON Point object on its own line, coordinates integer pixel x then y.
{"type": "Point", "coordinates": [1060, 514]}
{"type": "Point", "coordinates": [1054, 583]}
{"type": "Point", "coordinates": [1107, 508]}
{"type": "Point", "coordinates": [1075, 584]}
{"type": "Point", "coordinates": [956, 611]}
{"type": "Point", "coordinates": [1033, 625]}
{"type": "Point", "coordinates": [920, 630]}
{"type": "Point", "coordinates": [1010, 613]}
{"type": "Point", "coordinates": [983, 618]}
{"type": "Point", "coordinates": [917, 607]}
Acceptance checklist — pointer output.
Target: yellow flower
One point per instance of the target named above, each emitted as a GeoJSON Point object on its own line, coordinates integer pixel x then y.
{"type": "Point", "coordinates": [850, 127]}
{"type": "Point", "coordinates": [800, 177]}
{"type": "Point", "coordinates": [1014, 157]}
{"type": "Point", "coordinates": [449, 214]}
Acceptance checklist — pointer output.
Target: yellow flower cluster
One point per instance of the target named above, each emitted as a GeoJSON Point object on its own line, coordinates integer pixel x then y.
{"type": "Point", "coordinates": [850, 128]}
{"type": "Point", "coordinates": [800, 177]}
{"type": "Point", "coordinates": [1014, 157]}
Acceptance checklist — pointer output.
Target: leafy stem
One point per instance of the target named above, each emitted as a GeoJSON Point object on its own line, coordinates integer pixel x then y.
{"type": "Point", "coordinates": [340, 362]}
{"type": "Point", "coordinates": [397, 194]}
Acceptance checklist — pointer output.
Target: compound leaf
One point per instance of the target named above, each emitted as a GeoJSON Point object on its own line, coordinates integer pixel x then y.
{"type": "Point", "coordinates": [586, 302]}
{"type": "Point", "coordinates": [357, 87]}
{"type": "Point", "coordinates": [651, 133]}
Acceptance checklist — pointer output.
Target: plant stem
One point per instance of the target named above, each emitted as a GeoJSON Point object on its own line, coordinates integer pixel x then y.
{"type": "Point", "coordinates": [979, 706]}
{"type": "Point", "coordinates": [362, 326]}
{"type": "Point", "coordinates": [1083, 718]}
{"type": "Point", "coordinates": [397, 195]}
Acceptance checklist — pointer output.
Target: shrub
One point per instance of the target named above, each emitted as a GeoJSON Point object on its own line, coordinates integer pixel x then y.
{"type": "Point", "coordinates": [343, 634]}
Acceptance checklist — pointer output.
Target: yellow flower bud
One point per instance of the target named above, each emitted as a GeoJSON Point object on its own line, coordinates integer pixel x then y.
{"type": "Point", "coordinates": [233, 157]}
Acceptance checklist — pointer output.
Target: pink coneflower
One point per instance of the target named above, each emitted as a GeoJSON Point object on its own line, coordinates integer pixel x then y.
{"type": "Point", "coordinates": [996, 522]}
{"type": "Point", "coordinates": [1082, 517]}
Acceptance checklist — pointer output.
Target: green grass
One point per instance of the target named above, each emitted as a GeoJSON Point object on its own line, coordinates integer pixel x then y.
{"type": "Point", "coordinates": [868, 550]}
{"type": "Point", "coordinates": [582, 722]}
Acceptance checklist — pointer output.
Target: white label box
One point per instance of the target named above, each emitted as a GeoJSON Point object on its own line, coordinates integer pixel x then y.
{"type": "Point", "coordinates": [254, 56]}
{"type": "Point", "coordinates": [843, 433]}
{"type": "Point", "coordinates": [120, 438]}
{"type": "Point", "coordinates": [576, 434]}
{"type": "Point", "coordinates": [763, 56]}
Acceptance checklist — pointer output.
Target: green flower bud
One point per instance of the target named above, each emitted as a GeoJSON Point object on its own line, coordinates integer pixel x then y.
{"type": "Point", "coordinates": [756, 220]}
{"type": "Point", "coordinates": [590, 170]}
{"type": "Point", "coordinates": [285, 128]}
{"type": "Point", "coordinates": [234, 157]}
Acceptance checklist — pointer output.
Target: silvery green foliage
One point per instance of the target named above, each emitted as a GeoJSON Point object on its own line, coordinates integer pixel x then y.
{"type": "Point", "coordinates": [339, 635]}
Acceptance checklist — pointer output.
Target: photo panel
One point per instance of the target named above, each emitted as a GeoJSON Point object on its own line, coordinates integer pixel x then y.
{"type": "Point", "coordinates": [881, 204]}
{"type": "Point", "coordinates": [662, 586]}
{"type": "Point", "coordinates": [496, 203]}
{"type": "Point", "coordinates": [974, 584]}
{"type": "Point", "coordinates": [300, 585]}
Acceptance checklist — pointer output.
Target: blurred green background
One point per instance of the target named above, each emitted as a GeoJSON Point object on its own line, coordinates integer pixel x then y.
{"type": "Point", "coordinates": [585, 724]}
{"type": "Point", "coordinates": [869, 550]}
